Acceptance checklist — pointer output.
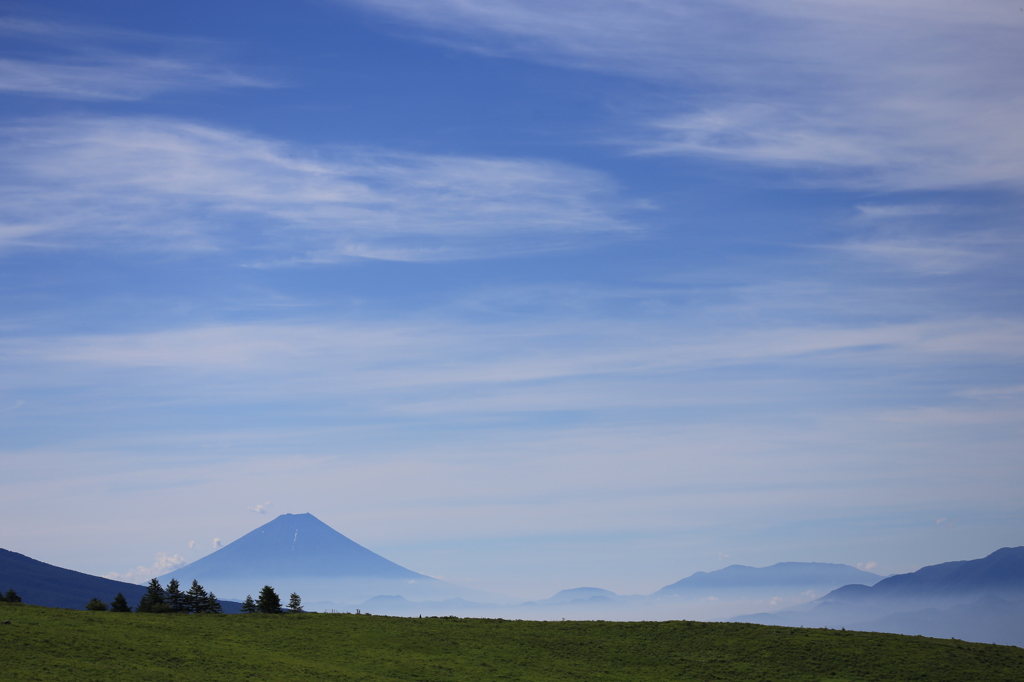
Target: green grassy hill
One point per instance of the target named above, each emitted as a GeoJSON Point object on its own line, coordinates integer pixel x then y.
{"type": "Point", "coordinates": [55, 644]}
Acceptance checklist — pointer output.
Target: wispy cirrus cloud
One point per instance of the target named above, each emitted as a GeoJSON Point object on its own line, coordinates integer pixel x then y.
{"type": "Point", "coordinates": [890, 96]}
{"type": "Point", "coordinates": [88, 63]}
{"type": "Point", "coordinates": [459, 369]}
{"type": "Point", "coordinates": [158, 183]}
{"type": "Point", "coordinates": [891, 211]}
{"type": "Point", "coordinates": [933, 239]}
{"type": "Point", "coordinates": [653, 39]}
{"type": "Point", "coordinates": [936, 141]}
{"type": "Point", "coordinates": [113, 77]}
{"type": "Point", "coordinates": [933, 255]}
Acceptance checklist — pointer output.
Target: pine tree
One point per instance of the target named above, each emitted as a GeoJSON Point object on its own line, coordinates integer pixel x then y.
{"type": "Point", "coordinates": [96, 605]}
{"type": "Point", "coordinates": [11, 596]}
{"type": "Point", "coordinates": [268, 601]}
{"type": "Point", "coordinates": [153, 598]}
{"type": "Point", "coordinates": [175, 598]}
{"type": "Point", "coordinates": [248, 606]}
{"type": "Point", "coordinates": [212, 604]}
{"type": "Point", "coordinates": [195, 599]}
{"type": "Point", "coordinates": [120, 604]}
{"type": "Point", "coordinates": [295, 603]}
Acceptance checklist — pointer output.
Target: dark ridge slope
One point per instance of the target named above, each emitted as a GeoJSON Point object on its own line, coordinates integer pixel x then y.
{"type": "Point", "coordinates": [46, 585]}
{"type": "Point", "coordinates": [43, 584]}
{"type": "Point", "coordinates": [1001, 573]}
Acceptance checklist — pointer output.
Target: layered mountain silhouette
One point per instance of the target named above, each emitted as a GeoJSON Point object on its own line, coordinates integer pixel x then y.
{"type": "Point", "coordinates": [300, 553]}
{"type": "Point", "coordinates": [978, 600]}
{"type": "Point", "coordinates": [704, 595]}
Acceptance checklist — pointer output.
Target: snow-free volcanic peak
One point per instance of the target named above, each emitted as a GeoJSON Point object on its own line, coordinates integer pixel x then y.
{"type": "Point", "coordinates": [294, 545]}
{"type": "Point", "coordinates": [299, 552]}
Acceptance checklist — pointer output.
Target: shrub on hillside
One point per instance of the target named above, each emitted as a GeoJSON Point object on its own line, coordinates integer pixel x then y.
{"type": "Point", "coordinates": [10, 596]}
{"type": "Point", "coordinates": [120, 604]}
{"type": "Point", "coordinates": [96, 605]}
{"type": "Point", "coordinates": [212, 604]}
{"type": "Point", "coordinates": [153, 600]}
{"type": "Point", "coordinates": [268, 601]}
{"type": "Point", "coordinates": [195, 599]}
{"type": "Point", "coordinates": [174, 597]}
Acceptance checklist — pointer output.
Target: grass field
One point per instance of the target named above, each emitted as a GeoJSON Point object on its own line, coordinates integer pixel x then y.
{"type": "Point", "coordinates": [55, 644]}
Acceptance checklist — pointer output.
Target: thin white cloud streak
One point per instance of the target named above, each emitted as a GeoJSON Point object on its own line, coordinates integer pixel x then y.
{"type": "Point", "coordinates": [114, 78]}
{"type": "Point", "coordinates": [572, 465]}
{"type": "Point", "coordinates": [889, 211]}
{"type": "Point", "coordinates": [917, 144]}
{"type": "Point", "coordinates": [153, 183]}
{"type": "Point", "coordinates": [650, 39]}
{"type": "Point", "coordinates": [67, 36]}
{"type": "Point", "coordinates": [417, 360]}
{"type": "Point", "coordinates": [933, 255]}
{"type": "Point", "coordinates": [1002, 391]}
{"type": "Point", "coordinates": [916, 238]}
{"type": "Point", "coordinates": [92, 70]}
{"type": "Point", "coordinates": [896, 95]}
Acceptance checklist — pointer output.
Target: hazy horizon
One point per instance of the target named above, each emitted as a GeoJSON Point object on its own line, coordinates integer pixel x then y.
{"type": "Point", "coordinates": [524, 296]}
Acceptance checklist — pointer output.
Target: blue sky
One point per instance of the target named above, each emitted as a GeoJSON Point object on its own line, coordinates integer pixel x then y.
{"type": "Point", "coordinates": [524, 295]}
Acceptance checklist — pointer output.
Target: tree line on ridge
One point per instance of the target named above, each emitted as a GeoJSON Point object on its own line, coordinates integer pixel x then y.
{"type": "Point", "coordinates": [196, 599]}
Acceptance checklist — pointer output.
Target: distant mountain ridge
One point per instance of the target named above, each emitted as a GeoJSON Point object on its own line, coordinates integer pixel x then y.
{"type": "Point", "coordinates": [976, 600]}
{"type": "Point", "coordinates": [578, 594]}
{"type": "Point", "coordinates": [788, 574]}
{"type": "Point", "coordinates": [1001, 573]}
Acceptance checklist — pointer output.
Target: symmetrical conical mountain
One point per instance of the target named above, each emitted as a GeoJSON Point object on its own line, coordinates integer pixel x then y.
{"type": "Point", "coordinates": [298, 552]}
{"type": "Point", "coordinates": [294, 545]}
